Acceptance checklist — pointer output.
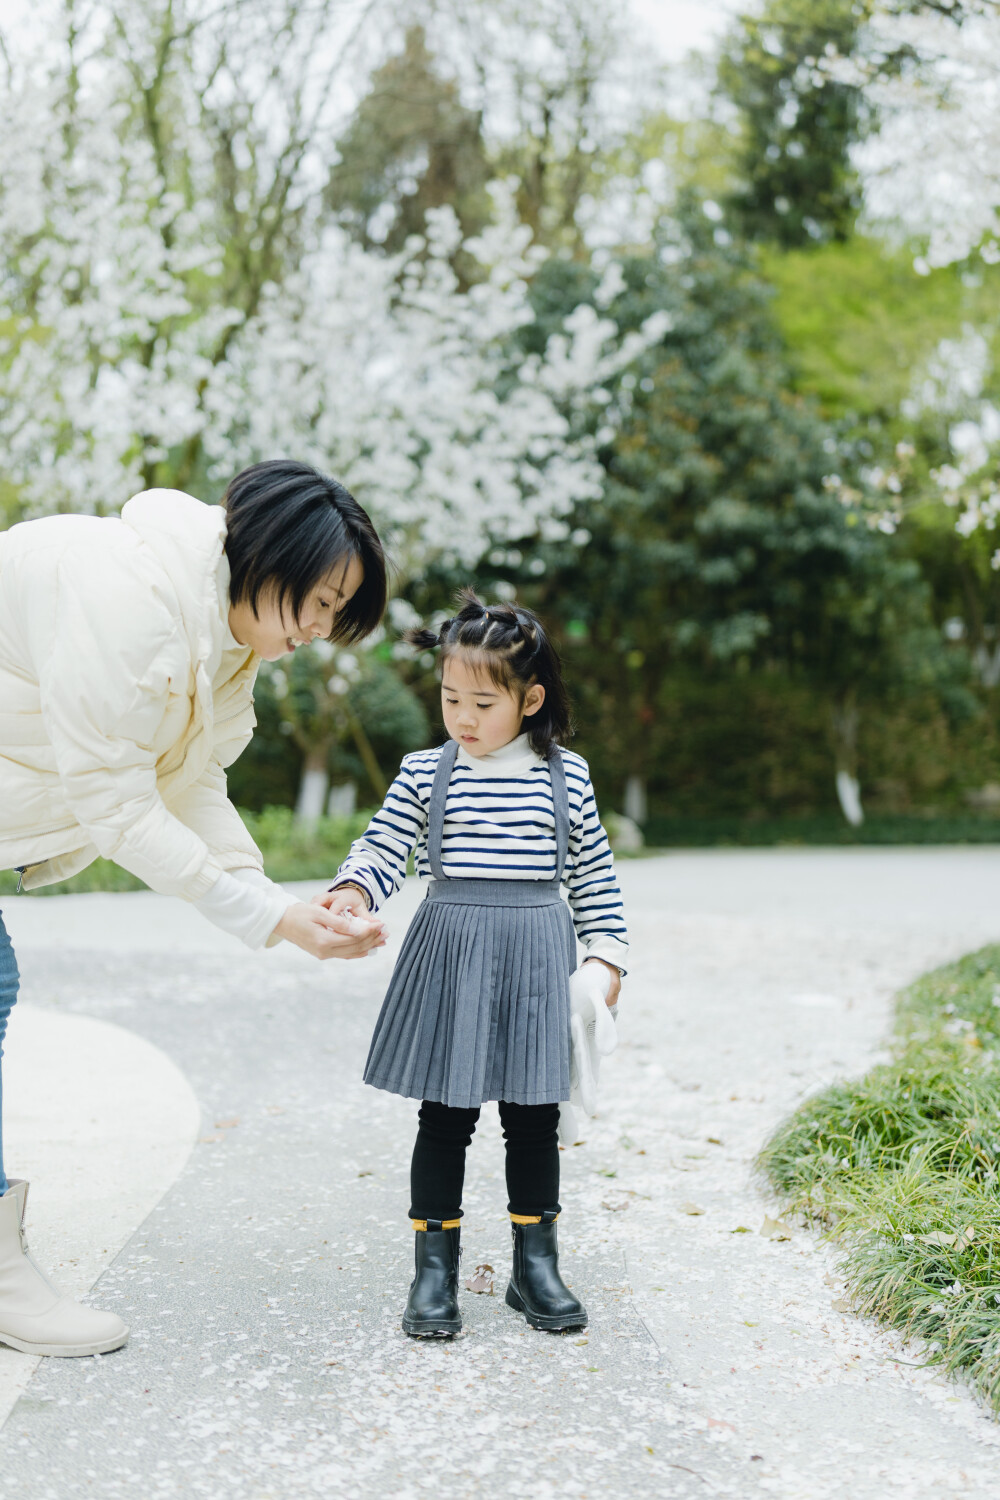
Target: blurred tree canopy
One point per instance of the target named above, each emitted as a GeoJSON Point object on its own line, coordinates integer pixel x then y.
{"type": "Point", "coordinates": [665, 353]}
{"type": "Point", "coordinates": [796, 183]}
{"type": "Point", "coordinates": [411, 145]}
{"type": "Point", "coordinates": [355, 733]}
{"type": "Point", "coordinates": [796, 72]}
{"type": "Point", "coordinates": [866, 334]}
{"type": "Point", "coordinates": [746, 450]}
{"type": "Point", "coordinates": [720, 543]}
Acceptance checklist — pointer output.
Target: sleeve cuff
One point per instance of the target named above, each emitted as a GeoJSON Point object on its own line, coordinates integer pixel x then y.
{"type": "Point", "coordinates": [361, 884]}
{"type": "Point", "coordinates": [611, 949]}
{"type": "Point", "coordinates": [247, 905]}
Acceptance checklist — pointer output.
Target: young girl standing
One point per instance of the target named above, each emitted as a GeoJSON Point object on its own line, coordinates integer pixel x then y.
{"type": "Point", "coordinates": [478, 1006]}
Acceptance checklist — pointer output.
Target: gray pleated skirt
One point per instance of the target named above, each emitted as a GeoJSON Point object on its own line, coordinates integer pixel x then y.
{"type": "Point", "coordinates": [478, 1003]}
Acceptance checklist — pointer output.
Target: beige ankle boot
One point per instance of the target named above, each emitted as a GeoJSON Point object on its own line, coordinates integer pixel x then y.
{"type": "Point", "coordinates": [34, 1316]}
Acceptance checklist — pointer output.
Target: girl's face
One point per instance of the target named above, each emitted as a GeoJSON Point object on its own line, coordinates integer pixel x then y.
{"type": "Point", "coordinates": [272, 632]}
{"type": "Point", "coordinates": [477, 713]}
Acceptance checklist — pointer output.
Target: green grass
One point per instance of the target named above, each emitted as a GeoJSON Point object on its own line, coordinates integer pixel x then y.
{"type": "Point", "coordinates": [902, 1168]}
{"type": "Point", "coordinates": [294, 853]}
{"type": "Point", "coordinates": [291, 852]}
{"type": "Point", "coordinates": [102, 875]}
{"type": "Point", "coordinates": [820, 829]}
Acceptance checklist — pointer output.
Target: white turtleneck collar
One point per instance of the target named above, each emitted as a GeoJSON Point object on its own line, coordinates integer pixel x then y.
{"type": "Point", "coordinates": [513, 759]}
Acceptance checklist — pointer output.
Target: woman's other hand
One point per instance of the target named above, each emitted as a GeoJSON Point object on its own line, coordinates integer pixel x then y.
{"type": "Point", "coordinates": [329, 934]}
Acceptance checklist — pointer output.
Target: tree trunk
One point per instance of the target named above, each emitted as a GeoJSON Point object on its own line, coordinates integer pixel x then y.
{"type": "Point", "coordinates": [844, 718]}
{"type": "Point", "coordinates": [311, 802]}
{"type": "Point", "coordinates": [368, 758]}
{"type": "Point", "coordinates": [343, 800]}
{"type": "Point", "coordinates": [986, 660]}
{"type": "Point", "coordinates": [635, 799]}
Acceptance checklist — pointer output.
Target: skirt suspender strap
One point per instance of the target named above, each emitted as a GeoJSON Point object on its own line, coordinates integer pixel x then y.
{"type": "Point", "coordinates": [435, 813]}
{"type": "Point", "coordinates": [560, 806]}
{"type": "Point", "coordinates": [439, 795]}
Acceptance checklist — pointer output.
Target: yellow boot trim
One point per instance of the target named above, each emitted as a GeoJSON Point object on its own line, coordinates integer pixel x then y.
{"type": "Point", "coordinates": [529, 1219]}
{"type": "Point", "coordinates": [445, 1224]}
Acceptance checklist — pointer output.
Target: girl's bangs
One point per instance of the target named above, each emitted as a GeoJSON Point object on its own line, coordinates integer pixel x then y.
{"type": "Point", "coordinates": [492, 665]}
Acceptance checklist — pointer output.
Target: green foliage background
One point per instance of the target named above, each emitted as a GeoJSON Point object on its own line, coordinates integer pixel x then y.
{"type": "Point", "coordinates": [734, 631]}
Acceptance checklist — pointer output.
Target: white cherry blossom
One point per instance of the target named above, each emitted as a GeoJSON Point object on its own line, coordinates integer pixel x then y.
{"type": "Point", "coordinates": [136, 349]}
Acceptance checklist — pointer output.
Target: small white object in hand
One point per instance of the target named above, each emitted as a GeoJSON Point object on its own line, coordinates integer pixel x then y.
{"type": "Point", "coordinates": [593, 1035]}
{"type": "Point", "coordinates": [357, 926]}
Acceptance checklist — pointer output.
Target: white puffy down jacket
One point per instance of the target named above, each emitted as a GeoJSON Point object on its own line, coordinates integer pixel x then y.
{"type": "Point", "coordinates": [118, 709]}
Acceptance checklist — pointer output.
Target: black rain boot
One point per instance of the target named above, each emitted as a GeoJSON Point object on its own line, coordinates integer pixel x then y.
{"type": "Point", "coordinates": [536, 1288]}
{"type": "Point", "coordinates": [432, 1306]}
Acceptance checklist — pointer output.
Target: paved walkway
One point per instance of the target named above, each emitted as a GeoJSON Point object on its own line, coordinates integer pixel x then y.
{"type": "Point", "coordinates": [265, 1288]}
{"type": "Point", "coordinates": [101, 1123]}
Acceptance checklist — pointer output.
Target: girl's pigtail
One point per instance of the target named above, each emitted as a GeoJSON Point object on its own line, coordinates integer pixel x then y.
{"type": "Point", "coordinates": [424, 639]}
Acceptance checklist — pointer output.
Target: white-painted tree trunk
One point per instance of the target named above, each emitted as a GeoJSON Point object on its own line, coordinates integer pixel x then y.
{"type": "Point", "coordinates": [343, 800]}
{"type": "Point", "coordinates": [845, 719]}
{"type": "Point", "coordinates": [849, 797]}
{"type": "Point", "coordinates": [311, 803]}
{"type": "Point", "coordinates": [635, 800]}
{"type": "Point", "coordinates": [987, 663]}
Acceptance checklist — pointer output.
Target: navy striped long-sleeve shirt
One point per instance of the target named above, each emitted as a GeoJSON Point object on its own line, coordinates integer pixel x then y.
{"type": "Point", "coordinates": [499, 824]}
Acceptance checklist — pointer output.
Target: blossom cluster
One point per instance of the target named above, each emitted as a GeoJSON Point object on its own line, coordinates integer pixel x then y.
{"type": "Point", "coordinates": [176, 302]}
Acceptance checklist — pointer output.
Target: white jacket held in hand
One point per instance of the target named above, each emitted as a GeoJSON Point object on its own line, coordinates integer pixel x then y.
{"type": "Point", "coordinates": [593, 1035]}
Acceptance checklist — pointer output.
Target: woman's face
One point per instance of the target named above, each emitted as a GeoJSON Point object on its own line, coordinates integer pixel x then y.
{"type": "Point", "coordinates": [272, 632]}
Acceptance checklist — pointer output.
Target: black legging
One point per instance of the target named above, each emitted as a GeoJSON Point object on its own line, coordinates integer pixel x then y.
{"type": "Point", "coordinates": [437, 1172]}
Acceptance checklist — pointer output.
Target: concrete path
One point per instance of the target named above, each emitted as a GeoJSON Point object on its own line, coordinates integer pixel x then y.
{"type": "Point", "coordinates": [100, 1123]}
{"type": "Point", "coordinates": [265, 1288]}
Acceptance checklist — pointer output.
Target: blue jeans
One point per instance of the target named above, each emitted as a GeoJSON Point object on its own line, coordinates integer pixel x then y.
{"type": "Point", "coordinates": [9, 978]}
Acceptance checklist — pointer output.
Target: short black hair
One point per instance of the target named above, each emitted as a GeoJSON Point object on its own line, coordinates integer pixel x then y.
{"type": "Point", "coordinates": [509, 643]}
{"type": "Point", "coordinates": [288, 528]}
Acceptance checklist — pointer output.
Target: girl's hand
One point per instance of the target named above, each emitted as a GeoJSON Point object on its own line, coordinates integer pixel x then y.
{"type": "Point", "coordinates": [344, 898]}
{"type": "Point", "coordinates": [327, 934]}
{"type": "Point", "coordinates": [614, 989]}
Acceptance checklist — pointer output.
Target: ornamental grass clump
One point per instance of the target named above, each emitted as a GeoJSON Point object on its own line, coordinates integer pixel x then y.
{"type": "Point", "coordinates": [902, 1168]}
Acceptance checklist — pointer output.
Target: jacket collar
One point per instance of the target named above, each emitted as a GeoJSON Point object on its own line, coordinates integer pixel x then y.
{"type": "Point", "coordinates": [188, 539]}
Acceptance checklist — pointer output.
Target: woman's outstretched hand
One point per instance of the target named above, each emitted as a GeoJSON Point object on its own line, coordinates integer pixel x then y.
{"type": "Point", "coordinates": [328, 934]}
